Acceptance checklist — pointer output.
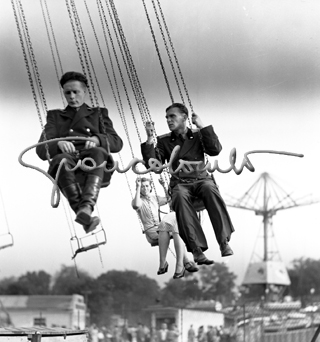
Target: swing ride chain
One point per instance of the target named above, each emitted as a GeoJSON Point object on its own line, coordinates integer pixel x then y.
{"type": "Point", "coordinates": [77, 45]}
{"type": "Point", "coordinates": [51, 47]}
{"type": "Point", "coordinates": [167, 50]}
{"type": "Point", "coordinates": [161, 63]}
{"type": "Point", "coordinates": [158, 52]}
{"type": "Point", "coordinates": [85, 51]}
{"type": "Point", "coordinates": [33, 59]}
{"type": "Point", "coordinates": [133, 74]}
{"type": "Point", "coordinates": [90, 76]}
{"type": "Point", "coordinates": [132, 80]}
{"type": "Point", "coordinates": [180, 73]}
{"type": "Point", "coordinates": [101, 54]}
{"type": "Point", "coordinates": [118, 64]}
{"type": "Point", "coordinates": [133, 71]}
{"type": "Point", "coordinates": [175, 58]}
{"type": "Point", "coordinates": [90, 60]}
{"type": "Point", "coordinates": [117, 100]}
{"type": "Point", "coordinates": [53, 36]}
{"type": "Point", "coordinates": [77, 23]}
{"type": "Point", "coordinates": [33, 63]}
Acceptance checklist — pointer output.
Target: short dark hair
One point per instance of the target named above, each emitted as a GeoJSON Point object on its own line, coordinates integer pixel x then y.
{"type": "Point", "coordinates": [73, 76]}
{"type": "Point", "coordinates": [145, 179]}
{"type": "Point", "coordinates": [182, 108]}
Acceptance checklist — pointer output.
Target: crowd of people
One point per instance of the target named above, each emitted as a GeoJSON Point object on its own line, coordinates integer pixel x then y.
{"type": "Point", "coordinates": [212, 334]}
{"type": "Point", "coordinates": [166, 333]}
{"type": "Point", "coordinates": [139, 333]}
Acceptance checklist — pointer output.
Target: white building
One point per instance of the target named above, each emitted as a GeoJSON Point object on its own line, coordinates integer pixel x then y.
{"type": "Point", "coordinates": [185, 317]}
{"type": "Point", "coordinates": [49, 311]}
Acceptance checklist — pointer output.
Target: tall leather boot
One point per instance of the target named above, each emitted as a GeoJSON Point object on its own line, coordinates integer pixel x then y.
{"type": "Point", "coordinates": [73, 194]}
{"type": "Point", "coordinates": [89, 198]}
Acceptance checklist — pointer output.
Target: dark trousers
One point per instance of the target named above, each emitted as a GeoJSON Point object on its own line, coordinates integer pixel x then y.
{"type": "Point", "coordinates": [66, 178]}
{"type": "Point", "coordinates": [189, 226]}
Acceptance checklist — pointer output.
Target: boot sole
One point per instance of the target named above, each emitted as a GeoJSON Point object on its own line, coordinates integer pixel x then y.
{"type": "Point", "coordinates": [95, 222]}
{"type": "Point", "coordinates": [205, 262]}
{"type": "Point", "coordinates": [226, 254]}
{"type": "Point", "coordinates": [83, 219]}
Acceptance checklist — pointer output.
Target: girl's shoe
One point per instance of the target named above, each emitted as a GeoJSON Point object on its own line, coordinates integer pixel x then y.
{"type": "Point", "coordinates": [164, 269]}
{"type": "Point", "coordinates": [179, 275]}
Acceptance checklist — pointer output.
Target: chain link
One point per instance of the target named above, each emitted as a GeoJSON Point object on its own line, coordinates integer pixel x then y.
{"type": "Point", "coordinates": [33, 65]}
{"type": "Point", "coordinates": [53, 36]}
{"type": "Point", "coordinates": [51, 49]}
{"type": "Point", "coordinates": [158, 52]}
{"type": "Point", "coordinates": [168, 52]}
{"type": "Point", "coordinates": [180, 74]}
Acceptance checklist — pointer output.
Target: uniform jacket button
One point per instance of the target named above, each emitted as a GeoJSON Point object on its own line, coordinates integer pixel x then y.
{"type": "Point", "coordinates": [70, 130]}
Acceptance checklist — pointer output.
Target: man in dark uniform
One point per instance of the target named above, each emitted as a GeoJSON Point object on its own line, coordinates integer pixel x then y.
{"type": "Point", "coordinates": [79, 120]}
{"type": "Point", "coordinates": [185, 187]}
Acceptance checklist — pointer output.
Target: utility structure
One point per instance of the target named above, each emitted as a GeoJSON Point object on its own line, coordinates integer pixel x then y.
{"type": "Point", "coordinates": [265, 198]}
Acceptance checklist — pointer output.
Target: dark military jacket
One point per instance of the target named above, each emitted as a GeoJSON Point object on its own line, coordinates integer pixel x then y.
{"type": "Point", "coordinates": [197, 143]}
{"type": "Point", "coordinates": [82, 123]}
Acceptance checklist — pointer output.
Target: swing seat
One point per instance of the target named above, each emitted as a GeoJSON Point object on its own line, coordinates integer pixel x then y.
{"type": "Point", "coordinates": [198, 204]}
{"type": "Point", "coordinates": [153, 242]}
{"type": "Point", "coordinates": [81, 247]}
{"type": "Point", "coordinates": [6, 240]}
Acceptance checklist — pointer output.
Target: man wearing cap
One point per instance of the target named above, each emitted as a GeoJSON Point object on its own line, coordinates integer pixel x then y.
{"type": "Point", "coordinates": [79, 120]}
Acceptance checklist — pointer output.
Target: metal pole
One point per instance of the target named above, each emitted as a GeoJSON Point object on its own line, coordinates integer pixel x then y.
{"type": "Point", "coordinates": [244, 322]}
{"type": "Point", "coordinates": [314, 338]}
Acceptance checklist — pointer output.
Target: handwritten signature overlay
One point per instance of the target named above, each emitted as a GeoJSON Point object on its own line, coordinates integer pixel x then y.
{"type": "Point", "coordinates": [154, 165]}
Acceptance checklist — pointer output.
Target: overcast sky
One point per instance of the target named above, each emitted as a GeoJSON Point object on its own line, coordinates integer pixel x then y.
{"type": "Point", "coordinates": [252, 69]}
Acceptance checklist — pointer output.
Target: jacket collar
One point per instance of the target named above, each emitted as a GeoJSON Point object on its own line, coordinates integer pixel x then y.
{"type": "Point", "coordinates": [189, 133]}
{"type": "Point", "coordinates": [69, 109]}
{"type": "Point", "coordinates": [83, 111]}
{"type": "Point", "coordinates": [188, 143]}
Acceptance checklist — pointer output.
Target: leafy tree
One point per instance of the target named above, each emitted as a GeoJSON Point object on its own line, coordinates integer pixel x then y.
{"type": "Point", "coordinates": [31, 283]}
{"type": "Point", "coordinates": [67, 282]}
{"type": "Point", "coordinates": [122, 292]}
{"type": "Point", "coordinates": [218, 283]}
{"type": "Point", "coordinates": [214, 282]}
{"type": "Point", "coordinates": [180, 293]}
{"type": "Point", "coordinates": [37, 283]}
{"type": "Point", "coordinates": [304, 276]}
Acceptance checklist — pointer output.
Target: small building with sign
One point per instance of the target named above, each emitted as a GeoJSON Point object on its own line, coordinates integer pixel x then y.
{"type": "Point", "coordinates": [46, 311]}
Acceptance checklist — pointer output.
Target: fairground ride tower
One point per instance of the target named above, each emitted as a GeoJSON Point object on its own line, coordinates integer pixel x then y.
{"type": "Point", "coordinates": [265, 198]}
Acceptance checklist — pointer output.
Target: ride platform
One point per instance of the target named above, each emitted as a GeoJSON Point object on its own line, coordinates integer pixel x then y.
{"type": "Point", "coordinates": [45, 334]}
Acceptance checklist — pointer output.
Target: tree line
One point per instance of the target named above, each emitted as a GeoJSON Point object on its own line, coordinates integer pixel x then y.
{"type": "Point", "coordinates": [128, 293]}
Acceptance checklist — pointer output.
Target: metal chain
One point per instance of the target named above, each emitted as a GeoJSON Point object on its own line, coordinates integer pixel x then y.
{"type": "Point", "coordinates": [118, 103]}
{"type": "Point", "coordinates": [175, 57]}
{"type": "Point", "coordinates": [100, 7]}
{"type": "Point", "coordinates": [158, 52]}
{"type": "Point", "coordinates": [86, 54]}
{"type": "Point", "coordinates": [86, 66]}
{"type": "Point", "coordinates": [53, 36]}
{"type": "Point", "coordinates": [133, 72]}
{"type": "Point", "coordinates": [33, 65]}
{"type": "Point", "coordinates": [51, 49]}
{"type": "Point", "coordinates": [168, 52]}
{"type": "Point", "coordinates": [181, 75]}
{"type": "Point", "coordinates": [135, 77]}
{"type": "Point", "coordinates": [137, 84]}
{"type": "Point", "coordinates": [127, 66]}
{"type": "Point", "coordinates": [77, 45]}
